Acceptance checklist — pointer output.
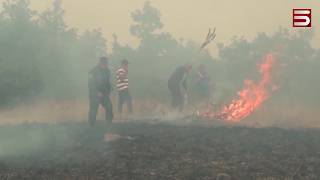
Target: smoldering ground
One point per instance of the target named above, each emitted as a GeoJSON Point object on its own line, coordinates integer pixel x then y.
{"type": "Point", "coordinates": [44, 127]}
{"type": "Point", "coordinates": [157, 151]}
{"type": "Point", "coordinates": [31, 139]}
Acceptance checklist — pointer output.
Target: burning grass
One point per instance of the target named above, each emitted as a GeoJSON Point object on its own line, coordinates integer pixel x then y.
{"type": "Point", "coordinates": [270, 114]}
{"type": "Point", "coordinates": [249, 99]}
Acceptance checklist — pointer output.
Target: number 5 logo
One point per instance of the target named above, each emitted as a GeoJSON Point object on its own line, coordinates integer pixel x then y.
{"type": "Point", "coordinates": [301, 17]}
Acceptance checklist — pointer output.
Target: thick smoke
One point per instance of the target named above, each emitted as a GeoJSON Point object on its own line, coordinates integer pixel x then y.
{"type": "Point", "coordinates": [44, 67]}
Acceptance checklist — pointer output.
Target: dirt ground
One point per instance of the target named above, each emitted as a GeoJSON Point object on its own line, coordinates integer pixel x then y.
{"type": "Point", "coordinates": [157, 151]}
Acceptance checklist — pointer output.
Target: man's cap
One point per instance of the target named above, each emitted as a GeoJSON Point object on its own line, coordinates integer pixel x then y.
{"type": "Point", "coordinates": [104, 59]}
{"type": "Point", "coordinates": [124, 61]}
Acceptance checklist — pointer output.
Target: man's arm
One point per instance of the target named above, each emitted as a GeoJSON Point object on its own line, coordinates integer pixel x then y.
{"type": "Point", "coordinates": [92, 81]}
{"type": "Point", "coordinates": [97, 82]}
{"type": "Point", "coordinates": [108, 85]}
{"type": "Point", "coordinates": [184, 82]}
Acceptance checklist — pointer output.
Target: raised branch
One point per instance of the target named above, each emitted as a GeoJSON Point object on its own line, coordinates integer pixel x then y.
{"type": "Point", "coordinates": [209, 38]}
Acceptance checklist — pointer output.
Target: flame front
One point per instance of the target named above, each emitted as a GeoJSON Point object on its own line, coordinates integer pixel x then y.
{"type": "Point", "coordinates": [249, 98]}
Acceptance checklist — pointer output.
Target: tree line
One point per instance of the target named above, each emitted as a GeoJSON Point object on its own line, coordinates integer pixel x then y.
{"type": "Point", "coordinates": [41, 56]}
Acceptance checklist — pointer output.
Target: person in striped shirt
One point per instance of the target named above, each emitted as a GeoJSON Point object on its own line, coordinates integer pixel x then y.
{"type": "Point", "coordinates": [123, 87]}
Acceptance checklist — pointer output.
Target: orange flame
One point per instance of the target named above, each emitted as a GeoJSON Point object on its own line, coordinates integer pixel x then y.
{"type": "Point", "coordinates": [250, 97]}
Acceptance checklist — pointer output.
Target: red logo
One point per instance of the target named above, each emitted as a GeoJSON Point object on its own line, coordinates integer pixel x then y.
{"type": "Point", "coordinates": [301, 17]}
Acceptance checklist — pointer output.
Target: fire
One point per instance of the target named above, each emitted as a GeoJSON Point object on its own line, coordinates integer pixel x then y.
{"type": "Point", "coordinates": [249, 98]}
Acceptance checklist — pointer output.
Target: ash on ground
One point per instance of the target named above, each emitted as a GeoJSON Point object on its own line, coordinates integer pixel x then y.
{"type": "Point", "coordinates": [157, 151]}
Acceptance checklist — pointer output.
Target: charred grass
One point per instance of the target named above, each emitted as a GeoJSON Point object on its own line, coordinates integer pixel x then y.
{"type": "Point", "coordinates": [157, 151]}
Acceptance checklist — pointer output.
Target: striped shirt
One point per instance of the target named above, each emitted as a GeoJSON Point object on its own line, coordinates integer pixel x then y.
{"type": "Point", "coordinates": [122, 79]}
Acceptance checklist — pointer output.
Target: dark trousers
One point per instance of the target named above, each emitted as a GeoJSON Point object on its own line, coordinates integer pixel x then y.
{"type": "Point", "coordinates": [177, 98]}
{"type": "Point", "coordinates": [124, 97]}
{"type": "Point", "coordinates": [94, 106]}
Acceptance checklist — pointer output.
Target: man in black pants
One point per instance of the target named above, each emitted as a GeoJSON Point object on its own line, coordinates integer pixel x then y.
{"type": "Point", "coordinates": [177, 82]}
{"type": "Point", "coordinates": [99, 91]}
{"type": "Point", "coordinates": [123, 87]}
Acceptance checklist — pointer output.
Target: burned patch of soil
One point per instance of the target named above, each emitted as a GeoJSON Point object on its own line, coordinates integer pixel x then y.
{"type": "Point", "coordinates": [157, 151]}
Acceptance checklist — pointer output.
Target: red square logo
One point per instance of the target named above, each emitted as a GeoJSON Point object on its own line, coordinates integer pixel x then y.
{"type": "Point", "coordinates": [301, 18]}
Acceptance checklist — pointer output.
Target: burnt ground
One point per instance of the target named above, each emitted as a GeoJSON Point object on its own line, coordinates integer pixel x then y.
{"type": "Point", "coordinates": [157, 151]}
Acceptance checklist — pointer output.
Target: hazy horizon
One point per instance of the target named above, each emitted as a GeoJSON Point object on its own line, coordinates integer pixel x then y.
{"type": "Point", "coordinates": [186, 19]}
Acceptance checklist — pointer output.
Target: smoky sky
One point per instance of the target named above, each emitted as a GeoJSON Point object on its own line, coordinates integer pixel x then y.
{"type": "Point", "coordinates": [187, 19]}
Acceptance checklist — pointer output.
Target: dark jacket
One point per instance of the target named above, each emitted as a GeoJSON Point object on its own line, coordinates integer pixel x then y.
{"type": "Point", "coordinates": [99, 81]}
{"type": "Point", "coordinates": [178, 78]}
